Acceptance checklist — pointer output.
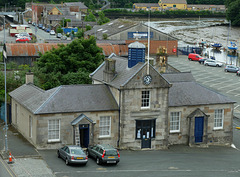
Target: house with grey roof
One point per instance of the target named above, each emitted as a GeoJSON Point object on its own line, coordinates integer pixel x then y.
{"type": "Point", "coordinates": [51, 118]}
{"type": "Point", "coordinates": [130, 105]}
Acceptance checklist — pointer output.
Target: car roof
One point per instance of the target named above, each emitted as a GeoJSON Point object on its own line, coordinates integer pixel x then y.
{"type": "Point", "coordinates": [106, 146]}
{"type": "Point", "coordinates": [74, 146]}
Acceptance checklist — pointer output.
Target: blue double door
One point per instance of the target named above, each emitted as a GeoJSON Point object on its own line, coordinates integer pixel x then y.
{"type": "Point", "coordinates": [199, 127]}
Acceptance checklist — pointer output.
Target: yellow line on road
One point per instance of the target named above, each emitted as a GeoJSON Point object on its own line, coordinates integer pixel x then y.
{"type": "Point", "coordinates": [6, 167]}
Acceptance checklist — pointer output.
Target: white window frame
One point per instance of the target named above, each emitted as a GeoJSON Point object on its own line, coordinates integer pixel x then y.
{"type": "Point", "coordinates": [102, 126]}
{"type": "Point", "coordinates": [58, 128]}
{"type": "Point", "coordinates": [145, 100]}
{"type": "Point", "coordinates": [16, 113]}
{"type": "Point", "coordinates": [218, 117]}
{"type": "Point", "coordinates": [30, 126]}
{"type": "Point", "coordinates": [176, 115]}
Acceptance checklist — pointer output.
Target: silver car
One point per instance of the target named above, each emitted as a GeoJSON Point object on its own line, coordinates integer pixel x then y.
{"type": "Point", "coordinates": [72, 154]}
{"type": "Point", "coordinates": [212, 63]}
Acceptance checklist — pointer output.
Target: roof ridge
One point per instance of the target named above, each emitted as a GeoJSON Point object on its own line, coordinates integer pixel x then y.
{"type": "Point", "coordinates": [49, 98]}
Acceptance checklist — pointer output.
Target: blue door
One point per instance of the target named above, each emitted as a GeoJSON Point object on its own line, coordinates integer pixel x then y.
{"type": "Point", "coordinates": [84, 135]}
{"type": "Point", "coordinates": [199, 129]}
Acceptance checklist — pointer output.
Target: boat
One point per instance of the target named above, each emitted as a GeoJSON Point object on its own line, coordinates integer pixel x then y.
{"type": "Point", "coordinates": [233, 46]}
{"type": "Point", "coordinates": [216, 45]}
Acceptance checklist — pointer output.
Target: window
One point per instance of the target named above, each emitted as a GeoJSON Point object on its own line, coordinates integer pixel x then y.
{"type": "Point", "coordinates": [53, 130]}
{"type": "Point", "coordinates": [218, 119]}
{"type": "Point", "coordinates": [175, 122]}
{"type": "Point", "coordinates": [16, 113]}
{"type": "Point", "coordinates": [147, 126]}
{"type": "Point", "coordinates": [30, 126]}
{"type": "Point", "coordinates": [145, 99]}
{"type": "Point", "coordinates": [174, 6]}
{"type": "Point", "coordinates": [105, 126]}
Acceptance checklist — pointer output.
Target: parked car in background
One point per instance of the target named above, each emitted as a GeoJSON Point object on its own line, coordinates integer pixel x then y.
{"type": "Point", "coordinates": [64, 37]}
{"type": "Point", "coordinates": [47, 30]}
{"type": "Point", "coordinates": [72, 154]}
{"type": "Point", "coordinates": [194, 57]}
{"type": "Point", "coordinates": [29, 22]}
{"type": "Point", "coordinates": [104, 153]}
{"type": "Point", "coordinates": [40, 26]}
{"type": "Point", "coordinates": [201, 61]}
{"type": "Point", "coordinates": [231, 68]}
{"type": "Point", "coordinates": [238, 73]}
{"type": "Point", "coordinates": [23, 39]}
{"type": "Point", "coordinates": [211, 62]}
{"type": "Point", "coordinates": [23, 34]}
{"type": "Point", "coordinates": [59, 35]}
{"type": "Point", "coordinates": [43, 28]}
{"type": "Point", "coordinates": [52, 32]}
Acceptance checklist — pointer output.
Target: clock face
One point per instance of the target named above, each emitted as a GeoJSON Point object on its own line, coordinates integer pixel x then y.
{"type": "Point", "coordinates": [147, 79]}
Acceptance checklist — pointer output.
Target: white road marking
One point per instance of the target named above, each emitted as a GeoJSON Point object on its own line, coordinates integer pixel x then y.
{"type": "Point", "coordinates": [232, 90]}
{"type": "Point", "coordinates": [228, 85]}
{"type": "Point", "coordinates": [236, 106]}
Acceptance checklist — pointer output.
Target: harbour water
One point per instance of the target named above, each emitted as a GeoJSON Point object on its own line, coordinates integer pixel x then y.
{"type": "Point", "coordinates": [190, 32]}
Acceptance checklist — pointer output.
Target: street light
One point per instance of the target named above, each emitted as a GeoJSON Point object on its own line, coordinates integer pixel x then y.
{"type": "Point", "coordinates": [5, 82]}
{"type": "Point", "coordinates": [6, 126]}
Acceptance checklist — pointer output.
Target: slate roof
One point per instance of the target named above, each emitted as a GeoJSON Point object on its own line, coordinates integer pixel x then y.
{"type": "Point", "coordinates": [111, 28]}
{"type": "Point", "coordinates": [179, 77]}
{"type": "Point", "coordinates": [65, 99]}
{"type": "Point", "coordinates": [147, 4]}
{"type": "Point", "coordinates": [123, 72]}
{"type": "Point", "coordinates": [174, 1]}
{"type": "Point", "coordinates": [191, 94]}
{"type": "Point", "coordinates": [78, 4]}
{"type": "Point", "coordinates": [186, 92]}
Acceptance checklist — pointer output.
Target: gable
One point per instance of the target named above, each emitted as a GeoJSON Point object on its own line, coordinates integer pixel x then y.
{"type": "Point", "coordinates": [55, 11]}
{"type": "Point", "coordinates": [136, 81]}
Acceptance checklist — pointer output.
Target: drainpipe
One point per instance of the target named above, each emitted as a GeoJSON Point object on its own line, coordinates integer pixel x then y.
{"type": "Point", "coordinates": [119, 108]}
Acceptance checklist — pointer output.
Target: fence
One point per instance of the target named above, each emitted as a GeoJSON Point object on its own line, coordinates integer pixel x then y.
{"type": "Point", "coordinates": [187, 50]}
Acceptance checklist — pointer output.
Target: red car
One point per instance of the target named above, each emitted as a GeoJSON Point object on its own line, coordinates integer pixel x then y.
{"type": "Point", "coordinates": [194, 57]}
{"type": "Point", "coordinates": [23, 39]}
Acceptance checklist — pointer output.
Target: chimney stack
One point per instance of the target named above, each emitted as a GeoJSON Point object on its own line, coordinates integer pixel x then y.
{"type": "Point", "coordinates": [110, 70]}
{"type": "Point", "coordinates": [29, 77]}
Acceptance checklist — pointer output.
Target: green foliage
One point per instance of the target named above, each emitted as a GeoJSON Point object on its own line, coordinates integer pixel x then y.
{"type": "Point", "coordinates": [102, 19]}
{"type": "Point", "coordinates": [68, 64]}
{"type": "Point", "coordinates": [88, 27]}
{"type": "Point", "coordinates": [59, 30]}
{"type": "Point", "coordinates": [233, 13]}
{"type": "Point", "coordinates": [105, 36]}
{"type": "Point", "coordinates": [90, 17]}
{"type": "Point", "coordinates": [166, 14]}
{"type": "Point", "coordinates": [80, 33]}
{"type": "Point", "coordinates": [15, 78]}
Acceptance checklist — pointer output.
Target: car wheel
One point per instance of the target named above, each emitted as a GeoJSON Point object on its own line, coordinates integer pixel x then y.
{"type": "Point", "coordinates": [190, 59]}
{"type": "Point", "coordinates": [58, 154]}
{"type": "Point", "coordinates": [66, 161]}
{"type": "Point", "coordinates": [98, 161]}
{"type": "Point", "coordinates": [217, 65]}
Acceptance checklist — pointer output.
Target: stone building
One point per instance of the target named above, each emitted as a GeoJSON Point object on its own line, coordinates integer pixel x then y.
{"type": "Point", "coordinates": [130, 105]}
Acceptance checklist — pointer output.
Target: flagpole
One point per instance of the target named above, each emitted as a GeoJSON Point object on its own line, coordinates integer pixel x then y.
{"type": "Point", "coordinates": [148, 40]}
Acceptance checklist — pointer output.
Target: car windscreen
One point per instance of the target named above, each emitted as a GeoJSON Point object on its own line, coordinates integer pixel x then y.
{"type": "Point", "coordinates": [76, 151]}
{"type": "Point", "coordinates": [111, 152]}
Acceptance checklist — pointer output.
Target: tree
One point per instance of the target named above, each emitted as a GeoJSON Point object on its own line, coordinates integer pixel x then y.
{"type": "Point", "coordinates": [90, 17]}
{"type": "Point", "coordinates": [233, 13]}
{"type": "Point", "coordinates": [102, 19]}
{"type": "Point", "coordinates": [68, 64]}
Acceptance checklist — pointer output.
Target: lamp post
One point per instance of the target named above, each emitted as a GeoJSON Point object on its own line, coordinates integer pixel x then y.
{"type": "Point", "coordinates": [5, 119]}
{"type": "Point", "coordinates": [5, 82]}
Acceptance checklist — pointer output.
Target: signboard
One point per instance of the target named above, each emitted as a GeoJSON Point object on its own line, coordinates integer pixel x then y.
{"type": "Point", "coordinates": [139, 35]}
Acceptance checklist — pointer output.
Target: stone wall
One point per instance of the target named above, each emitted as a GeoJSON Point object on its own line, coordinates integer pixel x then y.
{"type": "Point", "coordinates": [214, 137]}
